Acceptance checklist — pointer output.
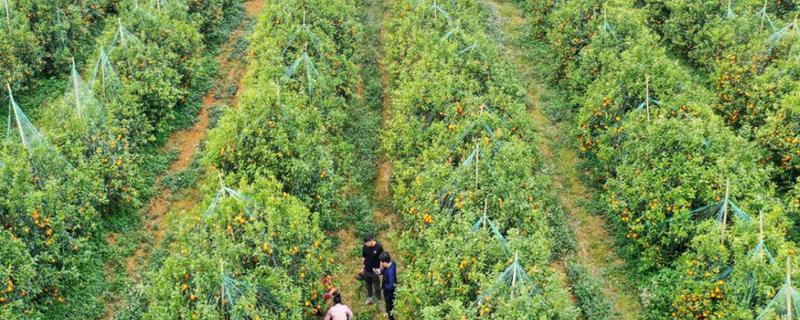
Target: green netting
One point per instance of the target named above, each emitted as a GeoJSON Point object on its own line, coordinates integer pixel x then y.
{"type": "Point", "coordinates": [761, 250]}
{"type": "Point", "coordinates": [778, 306]}
{"type": "Point", "coordinates": [224, 192]}
{"type": "Point", "coordinates": [647, 102]}
{"type": "Point", "coordinates": [303, 33]}
{"type": "Point", "coordinates": [61, 33]}
{"type": "Point", "coordinates": [606, 28]}
{"type": "Point", "coordinates": [311, 70]}
{"type": "Point", "coordinates": [79, 97]}
{"type": "Point", "coordinates": [515, 275]}
{"type": "Point", "coordinates": [467, 49]}
{"type": "Point", "coordinates": [438, 10]}
{"type": "Point", "coordinates": [717, 210]}
{"type": "Point", "coordinates": [231, 290]}
{"type": "Point", "coordinates": [453, 31]}
{"type": "Point", "coordinates": [485, 222]}
{"type": "Point", "coordinates": [514, 279]}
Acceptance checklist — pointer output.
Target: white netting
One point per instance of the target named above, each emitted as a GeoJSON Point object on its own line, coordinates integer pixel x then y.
{"type": "Point", "coordinates": [779, 305]}
{"type": "Point", "coordinates": [7, 11]}
{"type": "Point", "coordinates": [729, 14]}
{"type": "Point", "coordinates": [105, 81]}
{"type": "Point", "coordinates": [514, 280]}
{"type": "Point", "coordinates": [225, 192]}
{"type": "Point", "coordinates": [310, 70]}
{"type": "Point", "coordinates": [30, 137]}
{"type": "Point", "coordinates": [780, 34]}
{"type": "Point", "coordinates": [485, 222]}
{"type": "Point", "coordinates": [45, 159]}
{"type": "Point", "coordinates": [121, 37]}
{"type": "Point", "coordinates": [79, 97]}
{"type": "Point", "coordinates": [303, 34]}
{"type": "Point", "coordinates": [764, 17]}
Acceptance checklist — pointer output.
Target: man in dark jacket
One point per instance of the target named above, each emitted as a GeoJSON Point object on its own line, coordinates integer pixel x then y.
{"type": "Point", "coordinates": [369, 265]}
{"type": "Point", "coordinates": [389, 272]}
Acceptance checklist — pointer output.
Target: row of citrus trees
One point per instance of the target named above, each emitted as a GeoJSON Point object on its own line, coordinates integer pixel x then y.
{"type": "Point", "coordinates": [84, 163]}
{"type": "Point", "coordinates": [479, 227]}
{"type": "Point", "coordinates": [661, 154]}
{"type": "Point", "coordinates": [39, 37]}
{"type": "Point", "coordinates": [746, 54]}
{"type": "Point", "coordinates": [282, 174]}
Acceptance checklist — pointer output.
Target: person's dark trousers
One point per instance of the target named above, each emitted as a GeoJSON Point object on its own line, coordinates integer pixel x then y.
{"type": "Point", "coordinates": [389, 296]}
{"type": "Point", "coordinates": [373, 282]}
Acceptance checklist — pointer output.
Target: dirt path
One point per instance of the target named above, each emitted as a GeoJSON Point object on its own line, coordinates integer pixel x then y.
{"type": "Point", "coordinates": [349, 249]}
{"type": "Point", "coordinates": [186, 142]}
{"type": "Point", "coordinates": [595, 244]}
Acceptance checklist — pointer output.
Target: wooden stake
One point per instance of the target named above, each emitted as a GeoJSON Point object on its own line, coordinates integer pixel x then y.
{"type": "Point", "coordinates": [477, 164]}
{"type": "Point", "coordinates": [725, 211]}
{"type": "Point", "coordinates": [764, 16]}
{"type": "Point", "coordinates": [8, 13]}
{"type": "Point", "coordinates": [485, 207]}
{"type": "Point", "coordinates": [788, 288]}
{"type": "Point", "coordinates": [75, 88]}
{"type": "Point", "coordinates": [8, 127]}
{"type": "Point", "coordinates": [222, 285]}
{"type": "Point", "coordinates": [514, 274]}
{"type": "Point", "coordinates": [19, 123]}
{"type": "Point", "coordinates": [761, 235]}
{"type": "Point", "coordinates": [647, 95]}
{"type": "Point", "coordinates": [121, 32]}
{"type": "Point", "coordinates": [477, 155]}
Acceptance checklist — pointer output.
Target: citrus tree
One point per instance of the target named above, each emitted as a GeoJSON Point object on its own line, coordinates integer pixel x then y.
{"type": "Point", "coordinates": [260, 256]}
{"type": "Point", "coordinates": [466, 176]}
{"type": "Point", "coordinates": [664, 152]}
{"type": "Point", "coordinates": [294, 126]}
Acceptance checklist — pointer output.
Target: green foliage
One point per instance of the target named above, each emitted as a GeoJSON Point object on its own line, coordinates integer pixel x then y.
{"type": "Point", "coordinates": [260, 252]}
{"type": "Point", "coordinates": [267, 260]}
{"type": "Point", "coordinates": [61, 29]}
{"type": "Point", "coordinates": [659, 161]}
{"type": "Point", "coordinates": [747, 55]}
{"type": "Point", "coordinates": [664, 169]}
{"type": "Point", "coordinates": [780, 135]}
{"type": "Point", "coordinates": [588, 292]}
{"type": "Point", "coordinates": [461, 140]}
{"type": "Point", "coordinates": [294, 126]}
{"type": "Point", "coordinates": [56, 193]}
{"type": "Point", "coordinates": [20, 53]}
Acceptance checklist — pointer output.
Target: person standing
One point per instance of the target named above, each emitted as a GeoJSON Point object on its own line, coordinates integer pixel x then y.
{"type": "Point", "coordinates": [389, 272]}
{"type": "Point", "coordinates": [339, 311]}
{"type": "Point", "coordinates": [369, 267]}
